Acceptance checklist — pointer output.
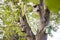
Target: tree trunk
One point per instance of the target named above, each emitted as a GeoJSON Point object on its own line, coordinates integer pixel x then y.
{"type": "Point", "coordinates": [41, 36]}
{"type": "Point", "coordinates": [26, 28]}
{"type": "Point", "coordinates": [44, 21]}
{"type": "Point", "coordinates": [28, 31]}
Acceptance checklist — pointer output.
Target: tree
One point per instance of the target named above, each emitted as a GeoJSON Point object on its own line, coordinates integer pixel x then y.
{"type": "Point", "coordinates": [17, 13]}
{"type": "Point", "coordinates": [44, 21]}
{"type": "Point", "coordinates": [44, 13]}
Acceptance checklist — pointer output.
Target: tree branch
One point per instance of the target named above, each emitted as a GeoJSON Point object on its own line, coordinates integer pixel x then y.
{"type": "Point", "coordinates": [44, 15]}
{"type": "Point", "coordinates": [26, 28]}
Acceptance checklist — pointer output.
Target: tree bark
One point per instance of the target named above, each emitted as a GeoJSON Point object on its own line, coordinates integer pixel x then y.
{"type": "Point", "coordinates": [44, 21]}
{"type": "Point", "coordinates": [26, 28]}
{"type": "Point", "coordinates": [30, 35]}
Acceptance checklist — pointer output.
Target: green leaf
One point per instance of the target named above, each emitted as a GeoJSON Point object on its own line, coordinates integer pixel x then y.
{"type": "Point", "coordinates": [53, 5]}
{"type": "Point", "coordinates": [30, 8]}
{"type": "Point", "coordinates": [35, 15]}
{"type": "Point", "coordinates": [25, 1]}
{"type": "Point", "coordinates": [34, 1]}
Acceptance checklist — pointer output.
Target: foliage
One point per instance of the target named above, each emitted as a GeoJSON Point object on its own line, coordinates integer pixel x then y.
{"type": "Point", "coordinates": [10, 11]}
{"type": "Point", "coordinates": [10, 14]}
